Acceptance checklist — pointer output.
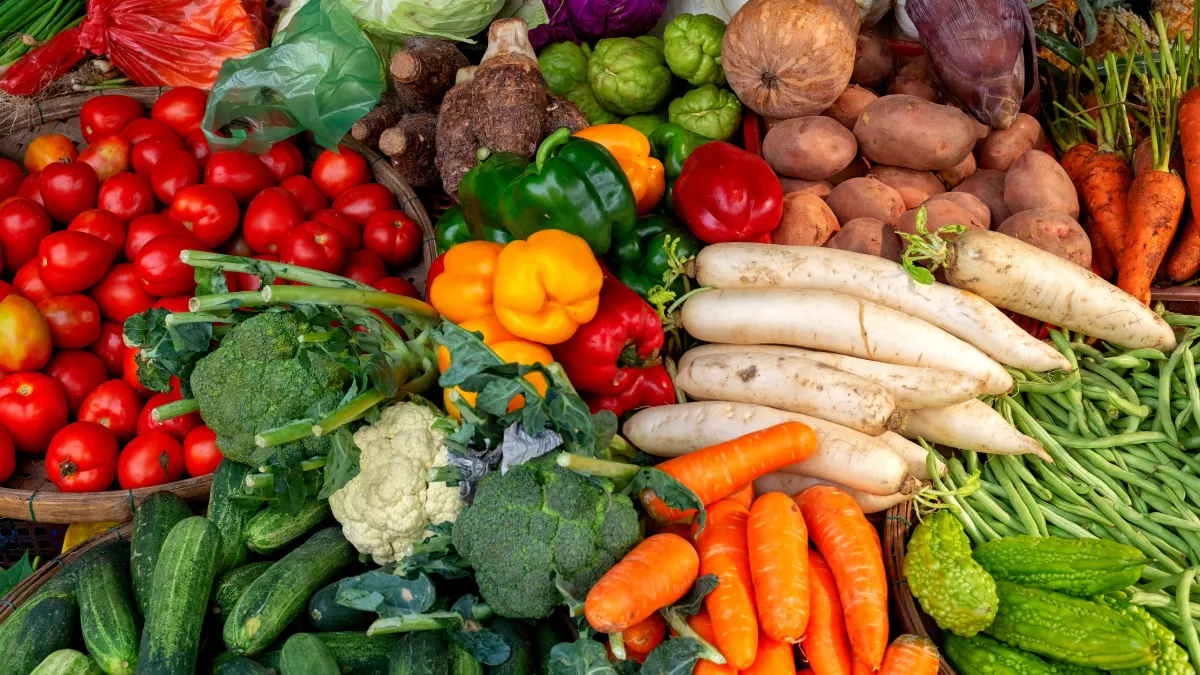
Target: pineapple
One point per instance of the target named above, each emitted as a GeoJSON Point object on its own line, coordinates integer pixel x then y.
{"type": "Point", "coordinates": [1176, 14]}
{"type": "Point", "coordinates": [1116, 33]}
{"type": "Point", "coordinates": [1058, 18]}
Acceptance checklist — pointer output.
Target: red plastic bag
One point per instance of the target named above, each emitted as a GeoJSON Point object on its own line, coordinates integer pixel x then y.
{"type": "Point", "coordinates": [170, 43]}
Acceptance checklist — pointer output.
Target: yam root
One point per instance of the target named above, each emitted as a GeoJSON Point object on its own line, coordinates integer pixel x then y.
{"type": "Point", "coordinates": [510, 96]}
{"type": "Point", "coordinates": [457, 147]}
{"type": "Point", "coordinates": [562, 113]}
{"type": "Point", "coordinates": [386, 114]}
{"type": "Point", "coordinates": [412, 146]}
{"type": "Point", "coordinates": [424, 71]}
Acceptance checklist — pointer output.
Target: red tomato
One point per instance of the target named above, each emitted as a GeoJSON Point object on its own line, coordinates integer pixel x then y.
{"type": "Point", "coordinates": [144, 228]}
{"type": "Point", "coordinates": [175, 303]}
{"type": "Point", "coordinates": [68, 189]}
{"type": "Point", "coordinates": [78, 372]}
{"type": "Point", "coordinates": [351, 233]}
{"type": "Point", "coordinates": [364, 267]}
{"type": "Point", "coordinates": [48, 149]}
{"type": "Point", "coordinates": [283, 160]}
{"type": "Point", "coordinates": [129, 373]}
{"type": "Point", "coordinates": [305, 191]}
{"type": "Point", "coordinates": [29, 284]}
{"type": "Point", "coordinates": [23, 225]}
{"type": "Point", "coordinates": [114, 405]}
{"type": "Point", "coordinates": [103, 225]}
{"type": "Point", "coordinates": [269, 218]}
{"type": "Point", "coordinates": [8, 456]}
{"type": "Point", "coordinates": [160, 268]}
{"type": "Point", "coordinates": [239, 172]}
{"type": "Point", "coordinates": [200, 453]}
{"type": "Point", "coordinates": [7, 289]}
{"type": "Point", "coordinates": [10, 181]}
{"type": "Point", "coordinates": [108, 155]}
{"type": "Point", "coordinates": [32, 408]}
{"type": "Point", "coordinates": [25, 337]}
{"type": "Point", "coordinates": [110, 347]}
{"type": "Point", "coordinates": [127, 196]}
{"type": "Point", "coordinates": [181, 108]}
{"type": "Point", "coordinates": [108, 115]}
{"type": "Point", "coordinates": [197, 144]}
{"type": "Point", "coordinates": [120, 293]}
{"type": "Point", "coordinates": [397, 286]}
{"type": "Point", "coordinates": [31, 188]}
{"type": "Point", "coordinates": [72, 261]}
{"type": "Point", "coordinates": [336, 172]}
{"type": "Point", "coordinates": [361, 202]}
{"type": "Point", "coordinates": [152, 458]}
{"type": "Point", "coordinates": [177, 170]}
{"type": "Point", "coordinates": [74, 320]}
{"type": "Point", "coordinates": [435, 268]}
{"type": "Point", "coordinates": [314, 245]}
{"type": "Point", "coordinates": [209, 211]}
{"type": "Point", "coordinates": [82, 458]}
{"type": "Point", "coordinates": [250, 282]}
{"type": "Point", "coordinates": [144, 128]}
{"type": "Point", "coordinates": [394, 236]}
{"type": "Point", "coordinates": [237, 245]}
{"type": "Point", "coordinates": [148, 153]}
{"type": "Point", "coordinates": [178, 427]}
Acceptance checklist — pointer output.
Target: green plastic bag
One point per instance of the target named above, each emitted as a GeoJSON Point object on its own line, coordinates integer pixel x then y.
{"type": "Point", "coordinates": [320, 74]}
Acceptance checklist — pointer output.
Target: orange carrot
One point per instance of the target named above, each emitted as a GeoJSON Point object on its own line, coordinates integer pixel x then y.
{"type": "Point", "coordinates": [745, 496]}
{"type": "Point", "coordinates": [825, 643]}
{"type": "Point", "coordinates": [842, 534]}
{"type": "Point", "coordinates": [1102, 259]}
{"type": "Point", "coordinates": [702, 624]}
{"type": "Point", "coordinates": [718, 471]}
{"type": "Point", "coordinates": [1185, 261]}
{"type": "Point", "coordinates": [1106, 180]}
{"type": "Point", "coordinates": [644, 636]}
{"type": "Point", "coordinates": [774, 658]}
{"type": "Point", "coordinates": [1156, 203]}
{"type": "Point", "coordinates": [857, 667]}
{"type": "Point", "coordinates": [656, 573]}
{"type": "Point", "coordinates": [778, 542]}
{"type": "Point", "coordinates": [806, 671]}
{"type": "Point", "coordinates": [1073, 161]}
{"type": "Point", "coordinates": [911, 655]}
{"type": "Point", "coordinates": [1189, 142]}
{"type": "Point", "coordinates": [723, 551]}
{"type": "Point", "coordinates": [682, 529]}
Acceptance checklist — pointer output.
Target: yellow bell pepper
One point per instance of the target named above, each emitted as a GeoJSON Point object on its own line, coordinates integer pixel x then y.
{"type": "Point", "coordinates": [547, 286]}
{"type": "Point", "coordinates": [508, 347]}
{"type": "Point", "coordinates": [646, 175]}
{"type": "Point", "coordinates": [464, 290]}
{"type": "Point", "coordinates": [77, 533]}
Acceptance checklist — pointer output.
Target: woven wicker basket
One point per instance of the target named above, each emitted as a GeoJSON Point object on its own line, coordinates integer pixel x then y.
{"type": "Point", "coordinates": [901, 519]}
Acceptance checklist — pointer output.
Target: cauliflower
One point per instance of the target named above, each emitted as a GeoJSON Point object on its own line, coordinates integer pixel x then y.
{"type": "Point", "coordinates": [388, 504]}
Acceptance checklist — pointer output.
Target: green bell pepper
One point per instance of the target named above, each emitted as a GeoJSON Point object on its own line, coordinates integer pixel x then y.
{"type": "Point", "coordinates": [574, 185]}
{"type": "Point", "coordinates": [480, 190]}
{"type": "Point", "coordinates": [671, 144]}
{"type": "Point", "coordinates": [638, 257]}
{"type": "Point", "coordinates": [452, 229]}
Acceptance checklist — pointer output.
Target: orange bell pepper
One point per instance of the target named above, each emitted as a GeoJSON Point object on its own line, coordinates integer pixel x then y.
{"type": "Point", "coordinates": [463, 290]}
{"type": "Point", "coordinates": [647, 177]}
{"type": "Point", "coordinates": [508, 347]}
{"type": "Point", "coordinates": [547, 286]}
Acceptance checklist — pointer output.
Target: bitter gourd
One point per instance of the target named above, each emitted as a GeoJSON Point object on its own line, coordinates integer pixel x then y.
{"type": "Point", "coordinates": [951, 587]}
{"type": "Point", "coordinates": [1081, 567]}
{"type": "Point", "coordinates": [1173, 660]}
{"type": "Point", "coordinates": [981, 655]}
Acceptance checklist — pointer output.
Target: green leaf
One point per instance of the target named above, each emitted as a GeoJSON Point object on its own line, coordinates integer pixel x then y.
{"type": "Point", "coordinates": [343, 462]}
{"type": "Point", "coordinates": [387, 594]}
{"type": "Point", "coordinates": [673, 493]}
{"type": "Point", "coordinates": [582, 657]}
{"type": "Point", "coordinates": [483, 645]}
{"type": "Point", "coordinates": [14, 575]}
{"type": "Point", "coordinates": [692, 603]}
{"type": "Point", "coordinates": [210, 281]}
{"type": "Point", "coordinates": [675, 656]}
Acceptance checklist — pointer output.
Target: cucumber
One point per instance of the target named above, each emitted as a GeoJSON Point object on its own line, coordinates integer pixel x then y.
{"type": "Point", "coordinates": [106, 615]}
{"type": "Point", "coordinates": [461, 661]}
{"type": "Point", "coordinates": [182, 581]}
{"type": "Point", "coordinates": [356, 654]}
{"type": "Point", "coordinates": [270, 530]}
{"type": "Point", "coordinates": [66, 662]}
{"type": "Point", "coordinates": [240, 665]}
{"type": "Point", "coordinates": [420, 653]}
{"type": "Point", "coordinates": [41, 626]}
{"type": "Point", "coordinates": [273, 600]}
{"type": "Point", "coordinates": [304, 654]}
{"type": "Point", "coordinates": [152, 521]}
{"type": "Point", "coordinates": [523, 659]}
{"type": "Point", "coordinates": [232, 584]}
{"type": "Point", "coordinates": [326, 615]}
{"type": "Point", "coordinates": [228, 514]}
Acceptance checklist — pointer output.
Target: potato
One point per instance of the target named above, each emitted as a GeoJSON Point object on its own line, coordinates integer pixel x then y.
{"type": "Point", "coordinates": [873, 60]}
{"type": "Point", "coordinates": [1052, 232]}
{"type": "Point", "coordinates": [812, 148]}
{"type": "Point", "coordinates": [1002, 148]}
{"type": "Point", "coordinates": [952, 177]}
{"type": "Point", "coordinates": [820, 188]}
{"type": "Point", "coordinates": [806, 221]}
{"type": "Point", "coordinates": [917, 78]}
{"type": "Point", "coordinates": [1037, 181]}
{"type": "Point", "coordinates": [856, 169]}
{"type": "Point", "coordinates": [865, 198]}
{"type": "Point", "coordinates": [913, 133]}
{"type": "Point", "coordinates": [769, 122]}
{"type": "Point", "coordinates": [850, 104]}
{"type": "Point", "coordinates": [988, 186]}
{"type": "Point", "coordinates": [870, 236]}
{"type": "Point", "coordinates": [914, 186]}
{"type": "Point", "coordinates": [938, 213]}
{"type": "Point", "coordinates": [974, 205]}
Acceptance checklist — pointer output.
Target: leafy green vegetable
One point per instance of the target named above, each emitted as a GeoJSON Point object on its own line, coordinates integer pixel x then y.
{"type": "Point", "coordinates": [435, 555]}
{"type": "Point", "coordinates": [675, 656]}
{"type": "Point", "coordinates": [692, 603]}
{"type": "Point", "coordinates": [14, 575]}
{"type": "Point", "coordinates": [387, 594]}
{"type": "Point", "coordinates": [673, 493]}
{"type": "Point", "coordinates": [582, 657]}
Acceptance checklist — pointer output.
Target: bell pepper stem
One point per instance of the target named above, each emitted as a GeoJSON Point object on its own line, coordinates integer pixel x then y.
{"type": "Point", "coordinates": [552, 143]}
{"type": "Point", "coordinates": [169, 411]}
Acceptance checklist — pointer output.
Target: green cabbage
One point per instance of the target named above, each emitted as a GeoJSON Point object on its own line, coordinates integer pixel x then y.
{"type": "Point", "coordinates": [455, 20]}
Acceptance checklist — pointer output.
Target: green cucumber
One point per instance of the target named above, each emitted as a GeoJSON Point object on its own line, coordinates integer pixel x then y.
{"type": "Point", "coordinates": [270, 530]}
{"type": "Point", "coordinates": [66, 662]}
{"type": "Point", "coordinates": [240, 665]}
{"type": "Point", "coordinates": [461, 661]}
{"type": "Point", "coordinates": [39, 627]}
{"type": "Point", "coordinates": [106, 615]}
{"type": "Point", "coordinates": [152, 521]}
{"type": "Point", "coordinates": [304, 654]}
{"type": "Point", "coordinates": [276, 598]}
{"type": "Point", "coordinates": [228, 514]}
{"type": "Point", "coordinates": [356, 654]}
{"type": "Point", "coordinates": [326, 615]}
{"type": "Point", "coordinates": [523, 659]}
{"type": "Point", "coordinates": [420, 653]}
{"type": "Point", "coordinates": [182, 581]}
{"type": "Point", "coordinates": [232, 584]}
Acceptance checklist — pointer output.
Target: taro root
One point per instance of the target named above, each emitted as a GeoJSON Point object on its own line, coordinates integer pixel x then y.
{"type": "Point", "coordinates": [510, 96]}
{"type": "Point", "coordinates": [457, 146]}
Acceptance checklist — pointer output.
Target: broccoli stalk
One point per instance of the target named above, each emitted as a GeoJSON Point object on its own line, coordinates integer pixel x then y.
{"type": "Point", "coordinates": [169, 411]}
{"type": "Point", "coordinates": [452, 621]}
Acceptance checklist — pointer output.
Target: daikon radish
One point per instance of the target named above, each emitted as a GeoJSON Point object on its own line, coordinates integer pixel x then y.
{"type": "Point", "coordinates": [790, 383]}
{"type": "Point", "coordinates": [834, 322]}
{"type": "Point", "coordinates": [911, 387]}
{"type": "Point", "coordinates": [857, 460]}
{"type": "Point", "coordinates": [790, 484]}
{"type": "Point", "coordinates": [971, 426]}
{"type": "Point", "coordinates": [913, 454]}
{"type": "Point", "coordinates": [962, 314]}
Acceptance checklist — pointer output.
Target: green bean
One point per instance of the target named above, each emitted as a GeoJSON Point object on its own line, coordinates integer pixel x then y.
{"type": "Point", "coordinates": [1058, 485]}
{"type": "Point", "coordinates": [1027, 425]}
{"type": "Point", "coordinates": [1136, 438]}
{"type": "Point", "coordinates": [1008, 462]}
{"type": "Point", "coordinates": [1055, 519]}
{"type": "Point", "coordinates": [1104, 473]}
{"type": "Point", "coordinates": [1019, 470]}
{"type": "Point", "coordinates": [1086, 513]}
{"type": "Point", "coordinates": [1183, 597]}
{"type": "Point", "coordinates": [1189, 370]}
{"type": "Point", "coordinates": [1156, 529]}
{"type": "Point", "coordinates": [1173, 319]}
{"type": "Point", "coordinates": [1087, 350]}
{"type": "Point", "coordinates": [1140, 540]}
{"type": "Point", "coordinates": [959, 512]}
{"type": "Point", "coordinates": [1050, 410]}
{"type": "Point", "coordinates": [985, 501]}
{"type": "Point", "coordinates": [1163, 418]}
{"type": "Point", "coordinates": [972, 459]}
{"type": "Point", "coordinates": [1095, 419]}
{"type": "Point", "coordinates": [1148, 353]}
{"type": "Point", "coordinates": [1179, 523]}
{"type": "Point", "coordinates": [1029, 524]}
{"type": "Point", "coordinates": [1125, 407]}
{"type": "Point", "coordinates": [1032, 387]}
{"type": "Point", "coordinates": [1146, 380]}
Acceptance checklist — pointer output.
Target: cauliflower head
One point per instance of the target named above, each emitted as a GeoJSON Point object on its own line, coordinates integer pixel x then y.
{"type": "Point", "coordinates": [388, 504]}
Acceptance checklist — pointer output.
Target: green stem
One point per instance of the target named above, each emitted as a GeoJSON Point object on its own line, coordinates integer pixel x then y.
{"type": "Point", "coordinates": [411, 623]}
{"type": "Point", "coordinates": [169, 411]}
{"type": "Point", "coordinates": [355, 409]}
{"type": "Point", "coordinates": [321, 336]}
{"type": "Point", "coordinates": [178, 318]}
{"type": "Point", "coordinates": [226, 301]}
{"type": "Point", "coordinates": [1183, 597]}
{"type": "Point", "coordinates": [233, 263]}
{"type": "Point", "coordinates": [349, 297]}
{"type": "Point", "coordinates": [616, 643]}
{"type": "Point", "coordinates": [707, 651]}
{"type": "Point", "coordinates": [597, 468]}
{"type": "Point", "coordinates": [288, 433]}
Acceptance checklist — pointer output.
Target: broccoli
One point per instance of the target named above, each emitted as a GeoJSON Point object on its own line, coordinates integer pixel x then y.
{"type": "Point", "coordinates": [538, 525]}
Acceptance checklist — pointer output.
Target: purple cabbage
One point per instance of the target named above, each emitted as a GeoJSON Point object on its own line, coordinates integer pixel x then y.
{"type": "Point", "coordinates": [590, 20]}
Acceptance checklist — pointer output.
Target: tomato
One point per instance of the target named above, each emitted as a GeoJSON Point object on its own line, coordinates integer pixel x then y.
{"type": "Point", "coordinates": [78, 372]}
{"type": "Point", "coordinates": [197, 144]}
{"type": "Point", "coordinates": [72, 261]}
{"type": "Point", "coordinates": [364, 267]}
{"type": "Point", "coordinates": [397, 286]}
{"type": "Point", "coordinates": [148, 153]}
{"type": "Point", "coordinates": [74, 320]}
{"type": "Point", "coordinates": [82, 458]}
{"type": "Point", "coordinates": [394, 236]}
{"type": "Point", "coordinates": [239, 172]}
{"type": "Point", "coordinates": [361, 202]}
{"type": "Point", "coordinates": [250, 282]}
{"type": "Point", "coordinates": [108, 155]}
{"type": "Point", "coordinates": [144, 128]}
{"type": "Point", "coordinates": [25, 337]}
{"type": "Point", "coordinates": [178, 427]}
{"type": "Point", "coordinates": [435, 268]}
{"type": "Point", "coordinates": [269, 218]}
{"type": "Point", "coordinates": [177, 170]}
{"type": "Point", "coordinates": [49, 149]}
{"type": "Point", "coordinates": [110, 347]}
{"type": "Point", "coordinates": [68, 189]}
{"type": "Point", "coordinates": [181, 108]}
{"type": "Point", "coordinates": [351, 233]}
{"type": "Point", "coordinates": [8, 456]}
{"type": "Point", "coordinates": [7, 289]}
{"type": "Point", "coordinates": [283, 160]}
{"type": "Point", "coordinates": [114, 405]}
{"type": "Point", "coordinates": [336, 172]}
{"type": "Point", "coordinates": [314, 245]}
{"type": "Point", "coordinates": [144, 228]}
{"type": "Point", "coordinates": [237, 245]}
{"type": "Point", "coordinates": [209, 211]}
{"type": "Point", "coordinates": [103, 225]}
{"type": "Point", "coordinates": [32, 408]}
{"type": "Point", "coordinates": [129, 373]}
{"type": "Point", "coordinates": [200, 453]}
{"type": "Point", "coordinates": [10, 181]}
{"type": "Point", "coordinates": [23, 225]}
{"type": "Point", "coordinates": [175, 303]}
{"type": "Point", "coordinates": [108, 115]}
{"type": "Point", "coordinates": [160, 268]}
{"type": "Point", "coordinates": [29, 284]}
{"type": "Point", "coordinates": [120, 293]}
{"type": "Point", "coordinates": [305, 191]}
{"type": "Point", "coordinates": [127, 196]}
{"type": "Point", "coordinates": [31, 188]}
{"type": "Point", "coordinates": [150, 459]}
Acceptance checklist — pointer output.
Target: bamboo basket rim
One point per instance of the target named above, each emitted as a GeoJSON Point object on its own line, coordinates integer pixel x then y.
{"type": "Point", "coordinates": [897, 528]}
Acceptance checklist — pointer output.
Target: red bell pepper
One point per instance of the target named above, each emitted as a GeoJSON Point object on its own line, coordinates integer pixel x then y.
{"type": "Point", "coordinates": [652, 387]}
{"type": "Point", "coordinates": [727, 194]}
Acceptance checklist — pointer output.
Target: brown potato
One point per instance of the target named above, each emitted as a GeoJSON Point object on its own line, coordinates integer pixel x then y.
{"type": "Point", "coordinates": [812, 148]}
{"type": "Point", "coordinates": [870, 236]}
{"type": "Point", "coordinates": [806, 221]}
{"type": "Point", "coordinates": [914, 186]}
{"type": "Point", "coordinates": [1037, 181]}
{"type": "Point", "coordinates": [865, 198]}
{"type": "Point", "coordinates": [988, 186]}
{"type": "Point", "coordinates": [917, 78]}
{"type": "Point", "coordinates": [939, 213]}
{"type": "Point", "coordinates": [1052, 232]}
{"type": "Point", "coordinates": [974, 205]}
{"type": "Point", "coordinates": [820, 188]}
{"type": "Point", "coordinates": [855, 169]}
{"type": "Point", "coordinates": [850, 104]}
{"type": "Point", "coordinates": [1002, 148]}
{"type": "Point", "coordinates": [873, 60]}
{"type": "Point", "coordinates": [913, 133]}
{"type": "Point", "coordinates": [952, 177]}
{"type": "Point", "coordinates": [769, 122]}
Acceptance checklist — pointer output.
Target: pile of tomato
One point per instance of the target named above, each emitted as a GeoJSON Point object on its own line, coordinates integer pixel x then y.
{"type": "Point", "coordinates": [89, 238]}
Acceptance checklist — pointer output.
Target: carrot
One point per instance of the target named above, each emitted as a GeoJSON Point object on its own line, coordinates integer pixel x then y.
{"type": "Point", "coordinates": [644, 636]}
{"type": "Point", "coordinates": [682, 529]}
{"type": "Point", "coordinates": [744, 496]}
{"type": "Point", "coordinates": [636, 657]}
{"type": "Point", "coordinates": [1102, 259]}
{"type": "Point", "coordinates": [1185, 261]}
{"type": "Point", "coordinates": [656, 573]}
{"type": "Point", "coordinates": [723, 551]}
{"type": "Point", "coordinates": [702, 624]}
{"type": "Point", "coordinates": [911, 655]}
{"type": "Point", "coordinates": [842, 534]}
{"type": "Point", "coordinates": [857, 667]}
{"type": "Point", "coordinates": [774, 658]}
{"type": "Point", "coordinates": [1106, 181]}
{"type": "Point", "coordinates": [806, 671]}
{"type": "Point", "coordinates": [718, 471]}
{"type": "Point", "coordinates": [1073, 161]}
{"type": "Point", "coordinates": [825, 643]}
{"type": "Point", "coordinates": [778, 542]}
{"type": "Point", "coordinates": [1189, 141]}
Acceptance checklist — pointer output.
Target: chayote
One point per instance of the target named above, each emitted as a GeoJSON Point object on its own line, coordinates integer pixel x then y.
{"type": "Point", "coordinates": [583, 98]}
{"type": "Point", "coordinates": [564, 65]}
{"type": "Point", "coordinates": [693, 48]}
{"type": "Point", "coordinates": [646, 122]}
{"type": "Point", "coordinates": [628, 76]}
{"type": "Point", "coordinates": [711, 112]}
{"type": "Point", "coordinates": [656, 42]}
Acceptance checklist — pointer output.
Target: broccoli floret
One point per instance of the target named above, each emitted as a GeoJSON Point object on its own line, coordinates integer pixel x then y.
{"type": "Point", "coordinates": [536, 524]}
{"type": "Point", "coordinates": [253, 382]}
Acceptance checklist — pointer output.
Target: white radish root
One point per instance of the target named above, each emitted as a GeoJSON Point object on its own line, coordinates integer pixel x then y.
{"type": "Point", "coordinates": [914, 455]}
{"type": "Point", "coordinates": [791, 484]}
{"type": "Point", "coordinates": [970, 426]}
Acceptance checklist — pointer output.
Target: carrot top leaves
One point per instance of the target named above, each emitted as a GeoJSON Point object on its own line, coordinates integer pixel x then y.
{"type": "Point", "coordinates": [1113, 134]}
{"type": "Point", "coordinates": [1162, 86]}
